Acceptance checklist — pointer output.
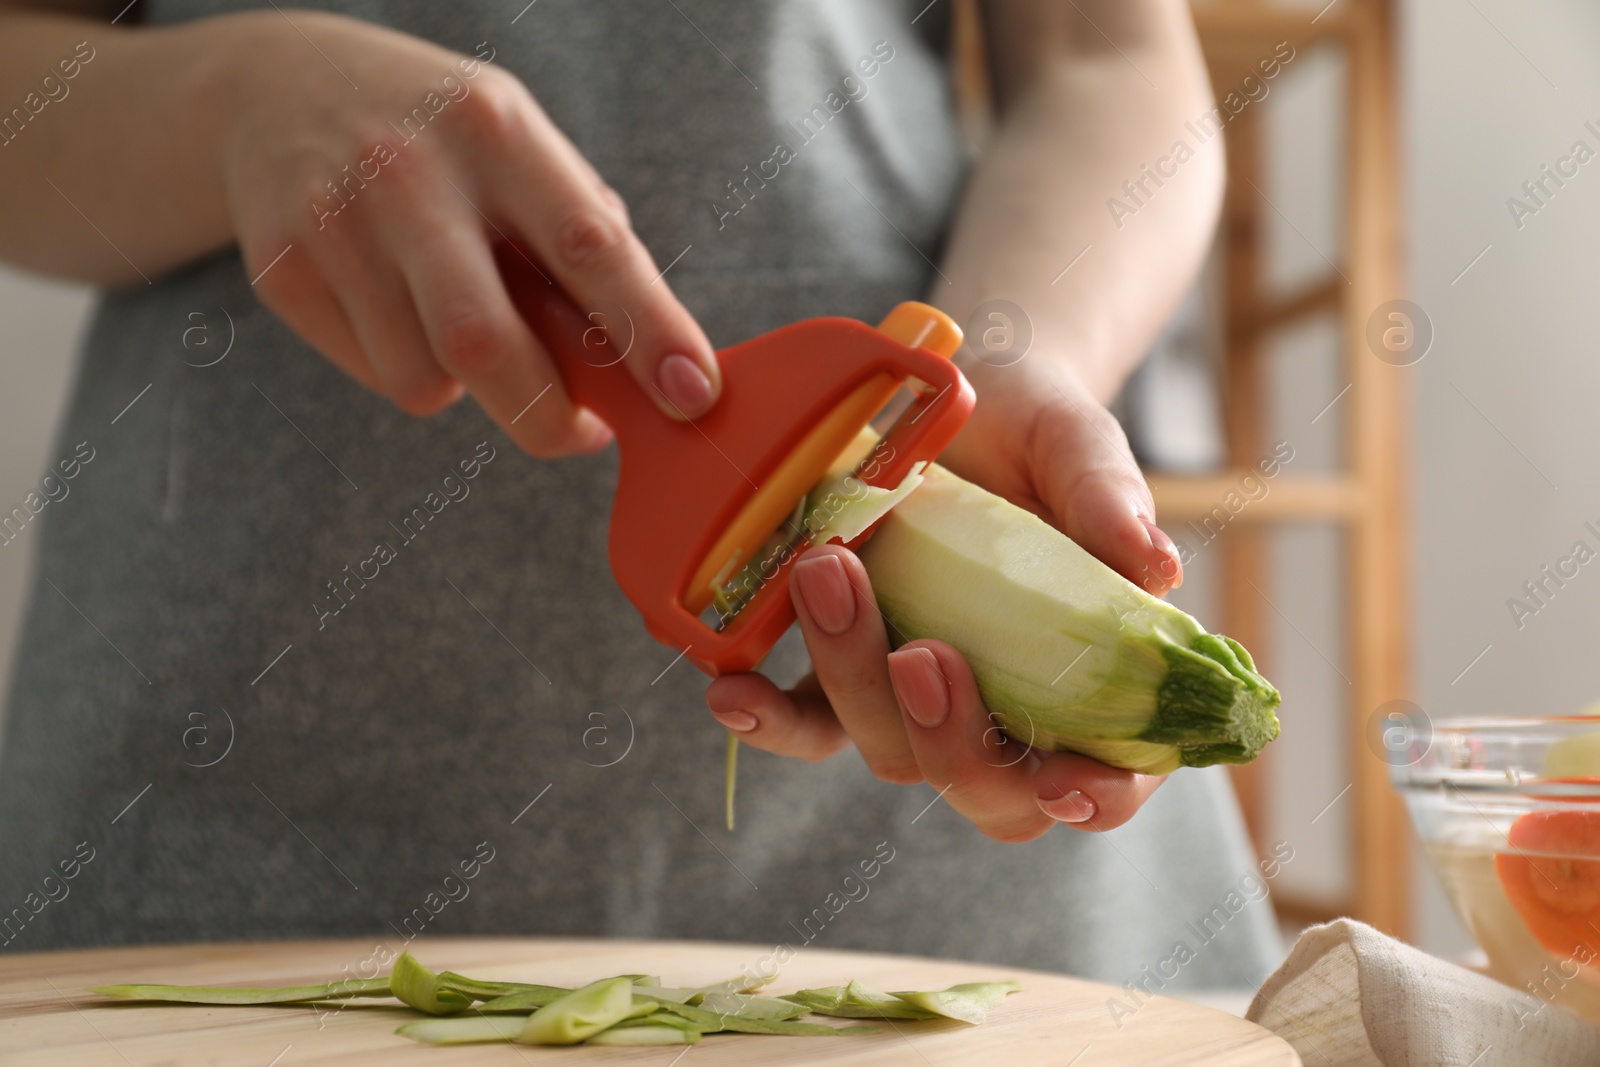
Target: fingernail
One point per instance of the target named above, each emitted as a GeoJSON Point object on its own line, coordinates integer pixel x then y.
{"type": "Point", "coordinates": [826, 593]}
{"type": "Point", "coordinates": [598, 436]}
{"type": "Point", "coordinates": [1075, 806]}
{"type": "Point", "coordinates": [740, 722]}
{"type": "Point", "coordinates": [685, 384]}
{"type": "Point", "coordinates": [919, 685]}
{"type": "Point", "coordinates": [1159, 541]}
{"type": "Point", "coordinates": [1158, 537]}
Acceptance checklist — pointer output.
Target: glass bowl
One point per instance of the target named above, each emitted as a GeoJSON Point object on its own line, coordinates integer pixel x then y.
{"type": "Point", "coordinates": [1508, 811]}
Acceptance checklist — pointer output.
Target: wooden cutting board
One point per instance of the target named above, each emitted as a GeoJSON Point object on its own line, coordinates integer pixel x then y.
{"type": "Point", "coordinates": [46, 1018]}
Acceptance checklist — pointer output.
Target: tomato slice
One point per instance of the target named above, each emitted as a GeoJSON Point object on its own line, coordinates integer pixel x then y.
{"type": "Point", "coordinates": [1553, 879]}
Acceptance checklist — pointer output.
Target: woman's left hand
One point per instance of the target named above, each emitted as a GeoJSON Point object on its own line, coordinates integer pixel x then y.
{"type": "Point", "coordinates": [1039, 439]}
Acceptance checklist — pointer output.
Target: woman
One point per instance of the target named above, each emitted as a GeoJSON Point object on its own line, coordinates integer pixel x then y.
{"type": "Point", "coordinates": [297, 662]}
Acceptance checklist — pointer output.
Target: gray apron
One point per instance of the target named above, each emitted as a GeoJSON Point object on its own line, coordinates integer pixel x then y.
{"type": "Point", "coordinates": [482, 738]}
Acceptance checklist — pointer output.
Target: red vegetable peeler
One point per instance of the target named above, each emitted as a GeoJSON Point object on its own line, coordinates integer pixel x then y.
{"type": "Point", "coordinates": [698, 500]}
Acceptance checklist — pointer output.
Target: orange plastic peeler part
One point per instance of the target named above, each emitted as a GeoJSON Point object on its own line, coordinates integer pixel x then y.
{"type": "Point", "coordinates": [695, 500]}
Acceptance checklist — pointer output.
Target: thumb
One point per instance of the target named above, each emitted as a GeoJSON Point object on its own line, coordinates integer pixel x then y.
{"type": "Point", "coordinates": [1097, 495]}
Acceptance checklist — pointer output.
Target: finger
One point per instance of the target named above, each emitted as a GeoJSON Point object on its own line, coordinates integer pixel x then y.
{"type": "Point", "coordinates": [557, 202]}
{"type": "Point", "coordinates": [295, 291]}
{"type": "Point", "coordinates": [983, 775]}
{"type": "Point", "coordinates": [798, 723]}
{"type": "Point", "coordinates": [1089, 795]}
{"type": "Point", "coordinates": [844, 634]}
{"type": "Point", "coordinates": [993, 780]}
{"type": "Point", "coordinates": [1104, 505]}
{"type": "Point", "coordinates": [479, 339]}
{"type": "Point", "coordinates": [378, 303]}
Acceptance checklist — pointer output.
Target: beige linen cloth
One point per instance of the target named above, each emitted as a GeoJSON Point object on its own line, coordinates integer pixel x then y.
{"type": "Point", "coordinates": [1348, 996]}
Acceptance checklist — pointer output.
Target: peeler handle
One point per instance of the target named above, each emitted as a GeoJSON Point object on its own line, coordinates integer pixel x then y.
{"type": "Point", "coordinates": [587, 349]}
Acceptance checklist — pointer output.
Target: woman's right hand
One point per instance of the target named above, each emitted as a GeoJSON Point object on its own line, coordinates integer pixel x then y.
{"type": "Point", "coordinates": [377, 249]}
